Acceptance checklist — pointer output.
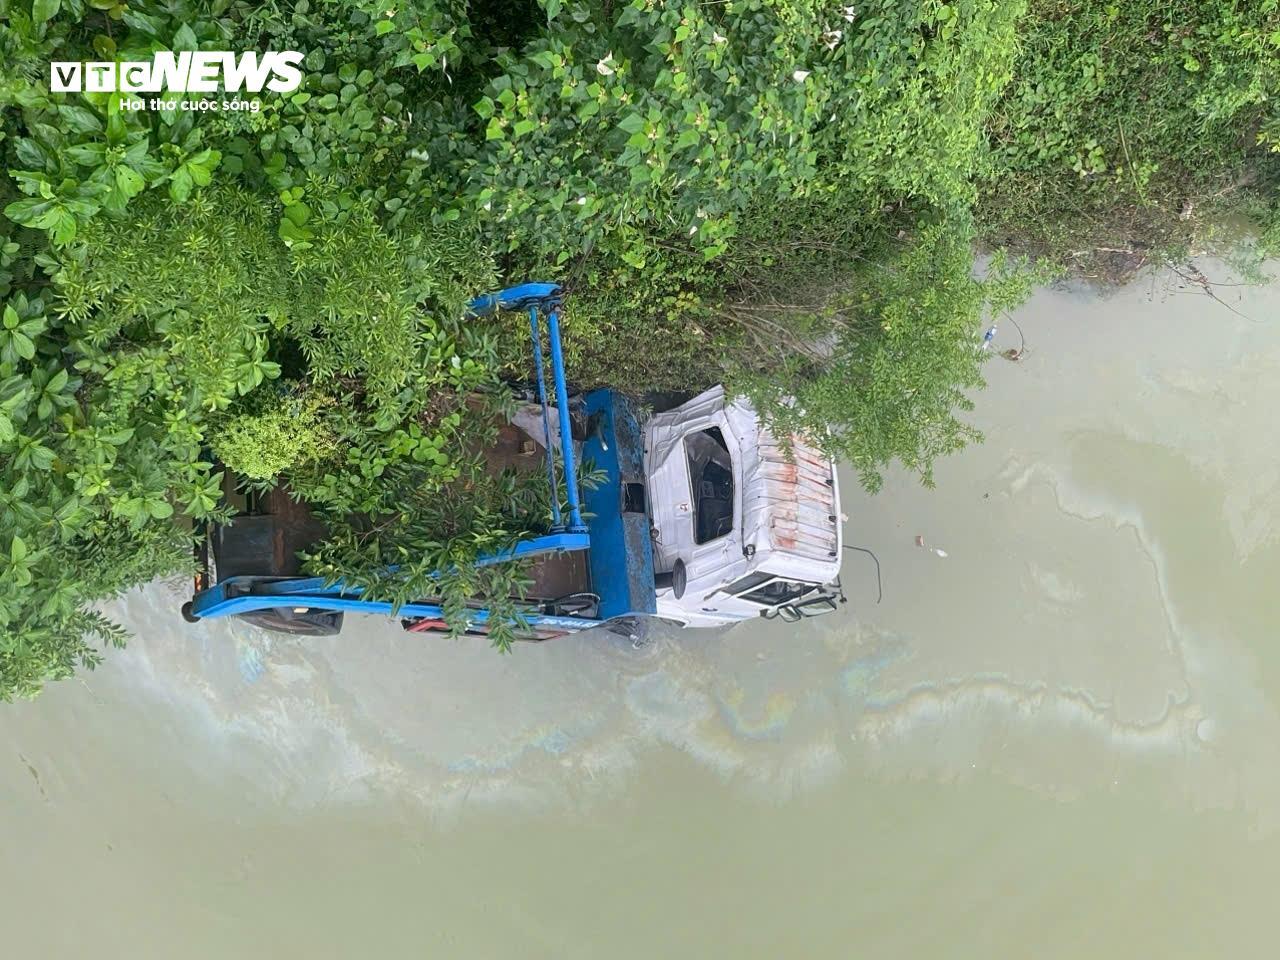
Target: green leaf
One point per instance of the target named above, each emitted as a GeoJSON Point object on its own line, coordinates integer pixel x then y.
{"type": "Point", "coordinates": [160, 508]}
{"type": "Point", "coordinates": [383, 27]}
{"type": "Point", "coordinates": [41, 456]}
{"type": "Point", "coordinates": [202, 166]}
{"type": "Point", "coordinates": [129, 181]}
{"type": "Point", "coordinates": [87, 154]}
{"type": "Point", "coordinates": [196, 171]}
{"type": "Point", "coordinates": [299, 213]}
{"type": "Point", "coordinates": [180, 185]}
{"type": "Point", "coordinates": [80, 119]}
{"type": "Point", "coordinates": [524, 126]}
{"type": "Point", "coordinates": [44, 10]}
{"type": "Point", "coordinates": [185, 39]}
{"type": "Point", "coordinates": [294, 235]}
{"type": "Point", "coordinates": [120, 437]}
{"type": "Point", "coordinates": [23, 345]}
{"type": "Point", "coordinates": [17, 550]}
{"type": "Point", "coordinates": [631, 123]}
{"type": "Point", "coordinates": [63, 229]}
{"type": "Point", "coordinates": [30, 213]}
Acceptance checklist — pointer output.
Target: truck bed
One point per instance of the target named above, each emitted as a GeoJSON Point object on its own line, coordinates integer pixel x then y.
{"type": "Point", "coordinates": [265, 542]}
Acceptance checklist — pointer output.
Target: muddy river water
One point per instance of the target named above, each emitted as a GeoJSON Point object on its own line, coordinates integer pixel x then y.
{"type": "Point", "coordinates": [1060, 739]}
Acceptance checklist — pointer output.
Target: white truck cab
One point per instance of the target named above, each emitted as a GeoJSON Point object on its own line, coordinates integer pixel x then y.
{"type": "Point", "coordinates": [741, 525]}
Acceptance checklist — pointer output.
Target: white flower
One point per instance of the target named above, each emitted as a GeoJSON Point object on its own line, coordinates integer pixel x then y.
{"type": "Point", "coordinates": [693, 230]}
{"type": "Point", "coordinates": [716, 38]}
{"type": "Point", "coordinates": [831, 38]}
{"type": "Point", "coordinates": [605, 66]}
{"type": "Point", "coordinates": [849, 14]}
{"type": "Point", "coordinates": [800, 76]}
{"type": "Point", "coordinates": [582, 201]}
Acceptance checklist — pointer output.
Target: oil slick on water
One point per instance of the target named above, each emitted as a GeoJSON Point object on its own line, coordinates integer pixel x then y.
{"type": "Point", "coordinates": [1119, 494]}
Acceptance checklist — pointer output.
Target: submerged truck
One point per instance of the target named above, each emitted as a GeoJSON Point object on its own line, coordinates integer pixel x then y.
{"type": "Point", "coordinates": [703, 518]}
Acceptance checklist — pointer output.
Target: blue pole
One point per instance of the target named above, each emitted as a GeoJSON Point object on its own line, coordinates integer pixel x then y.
{"type": "Point", "coordinates": [556, 523]}
{"type": "Point", "coordinates": [566, 436]}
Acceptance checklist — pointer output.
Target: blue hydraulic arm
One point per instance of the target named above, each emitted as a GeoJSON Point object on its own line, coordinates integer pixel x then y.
{"type": "Point", "coordinates": [538, 299]}
{"type": "Point", "coordinates": [556, 523]}
{"type": "Point", "coordinates": [566, 438]}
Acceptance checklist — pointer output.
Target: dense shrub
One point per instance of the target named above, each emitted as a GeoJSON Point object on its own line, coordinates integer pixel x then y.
{"type": "Point", "coordinates": [284, 435]}
{"type": "Point", "coordinates": [1131, 130]}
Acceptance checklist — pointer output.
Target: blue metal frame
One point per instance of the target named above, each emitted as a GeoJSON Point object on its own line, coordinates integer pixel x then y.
{"type": "Point", "coordinates": [545, 298]}
{"type": "Point", "coordinates": [516, 298]}
{"type": "Point", "coordinates": [536, 334]}
{"type": "Point", "coordinates": [248, 603]}
{"type": "Point", "coordinates": [224, 599]}
{"type": "Point", "coordinates": [621, 558]}
{"type": "Point", "coordinates": [232, 596]}
{"type": "Point", "coordinates": [566, 431]}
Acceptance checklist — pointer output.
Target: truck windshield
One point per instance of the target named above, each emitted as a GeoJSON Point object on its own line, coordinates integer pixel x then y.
{"type": "Point", "coordinates": [711, 476]}
{"type": "Point", "coordinates": [777, 591]}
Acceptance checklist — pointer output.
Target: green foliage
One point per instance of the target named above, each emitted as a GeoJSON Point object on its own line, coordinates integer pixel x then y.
{"type": "Point", "coordinates": [1130, 129]}
{"type": "Point", "coordinates": [285, 433]}
{"type": "Point", "coordinates": [889, 381]}
{"type": "Point", "coordinates": [77, 160]}
{"type": "Point", "coordinates": [781, 194]}
{"type": "Point", "coordinates": [428, 541]}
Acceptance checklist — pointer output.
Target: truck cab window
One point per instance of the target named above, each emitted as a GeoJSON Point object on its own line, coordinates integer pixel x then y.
{"type": "Point", "coordinates": [749, 582]}
{"type": "Point", "coordinates": [778, 591]}
{"type": "Point", "coordinates": [711, 476]}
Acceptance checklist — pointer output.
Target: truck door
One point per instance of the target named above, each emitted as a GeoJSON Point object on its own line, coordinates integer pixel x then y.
{"type": "Point", "coordinates": [713, 502]}
{"type": "Point", "coordinates": [712, 492]}
{"type": "Point", "coordinates": [694, 466]}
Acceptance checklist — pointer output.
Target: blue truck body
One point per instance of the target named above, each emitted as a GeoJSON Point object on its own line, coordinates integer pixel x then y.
{"type": "Point", "coordinates": [608, 525]}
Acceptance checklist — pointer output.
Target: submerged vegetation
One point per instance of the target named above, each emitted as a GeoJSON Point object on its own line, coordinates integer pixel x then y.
{"type": "Point", "coordinates": [781, 194]}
